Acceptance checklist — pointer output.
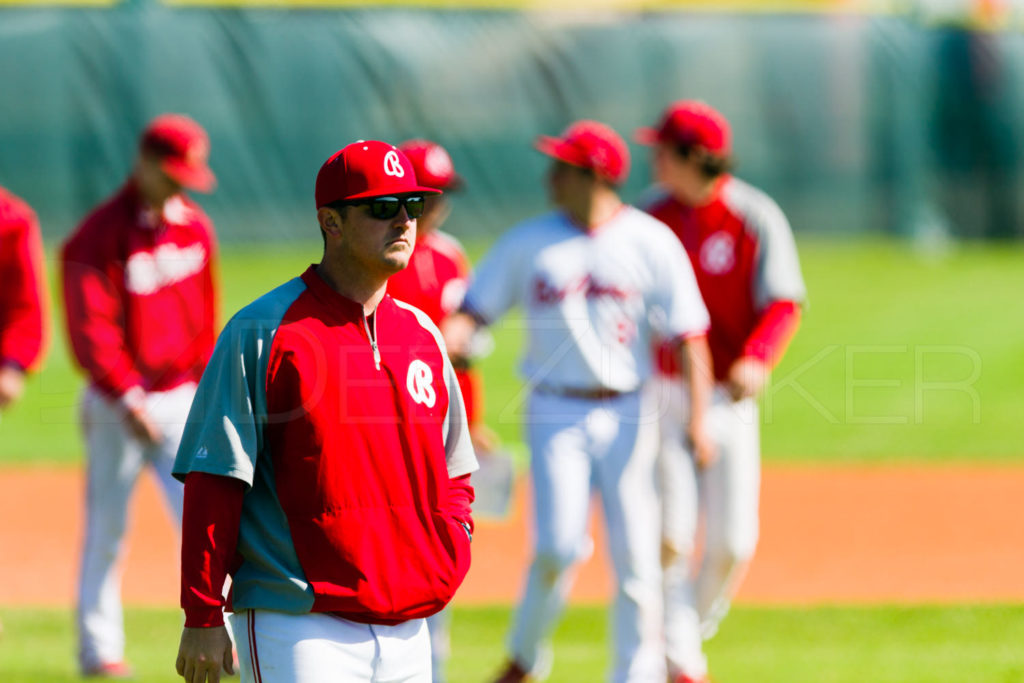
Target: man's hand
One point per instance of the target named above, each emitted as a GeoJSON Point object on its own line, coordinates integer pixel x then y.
{"type": "Point", "coordinates": [703, 447]}
{"type": "Point", "coordinates": [485, 439]}
{"type": "Point", "coordinates": [203, 653]}
{"type": "Point", "coordinates": [747, 377]}
{"type": "Point", "coordinates": [141, 425]}
{"type": "Point", "coordinates": [12, 384]}
{"type": "Point", "coordinates": [457, 330]}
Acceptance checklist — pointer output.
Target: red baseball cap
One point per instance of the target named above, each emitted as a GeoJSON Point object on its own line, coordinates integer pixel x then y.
{"type": "Point", "coordinates": [433, 165]}
{"type": "Point", "coordinates": [590, 145]}
{"type": "Point", "coordinates": [183, 148]}
{"type": "Point", "coordinates": [366, 168]}
{"type": "Point", "coordinates": [690, 122]}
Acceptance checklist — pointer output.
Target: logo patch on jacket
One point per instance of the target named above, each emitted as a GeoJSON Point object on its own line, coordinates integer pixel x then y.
{"type": "Point", "coordinates": [420, 383]}
{"type": "Point", "coordinates": [718, 253]}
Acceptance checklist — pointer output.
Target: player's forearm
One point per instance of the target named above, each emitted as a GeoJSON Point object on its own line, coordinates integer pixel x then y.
{"type": "Point", "coordinates": [209, 539]}
{"type": "Point", "coordinates": [695, 358]}
{"type": "Point", "coordinates": [460, 500]}
{"type": "Point", "coordinates": [23, 322]}
{"type": "Point", "coordinates": [774, 330]}
{"type": "Point", "coordinates": [93, 316]}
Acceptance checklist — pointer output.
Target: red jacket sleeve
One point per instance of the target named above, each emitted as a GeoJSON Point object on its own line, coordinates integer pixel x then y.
{"type": "Point", "coordinates": [94, 312]}
{"type": "Point", "coordinates": [460, 500]}
{"type": "Point", "coordinates": [209, 539]}
{"type": "Point", "coordinates": [24, 306]}
{"type": "Point", "coordinates": [773, 332]}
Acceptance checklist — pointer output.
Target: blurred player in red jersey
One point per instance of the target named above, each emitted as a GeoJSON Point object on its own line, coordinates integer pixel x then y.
{"type": "Point", "coordinates": [745, 260]}
{"type": "Point", "coordinates": [435, 282]}
{"type": "Point", "coordinates": [140, 306]}
{"type": "Point", "coordinates": [23, 300]}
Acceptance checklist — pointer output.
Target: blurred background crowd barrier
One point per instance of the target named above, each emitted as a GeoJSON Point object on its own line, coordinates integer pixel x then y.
{"type": "Point", "coordinates": [895, 118]}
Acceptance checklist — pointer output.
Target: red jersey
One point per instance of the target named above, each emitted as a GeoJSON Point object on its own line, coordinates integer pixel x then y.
{"type": "Point", "coordinates": [435, 282]}
{"type": "Point", "coordinates": [139, 295]}
{"type": "Point", "coordinates": [745, 261]}
{"type": "Point", "coordinates": [435, 279]}
{"type": "Point", "coordinates": [23, 300]}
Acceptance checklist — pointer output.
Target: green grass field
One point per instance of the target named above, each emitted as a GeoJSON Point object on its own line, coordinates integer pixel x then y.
{"type": "Point", "coordinates": [821, 645]}
{"type": "Point", "coordinates": [901, 356]}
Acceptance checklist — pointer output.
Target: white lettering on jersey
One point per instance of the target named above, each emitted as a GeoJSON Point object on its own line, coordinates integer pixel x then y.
{"type": "Point", "coordinates": [718, 253]}
{"type": "Point", "coordinates": [148, 272]}
{"type": "Point", "coordinates": [393, 165]}
{"type": "Point", "coordinates": [420, 383]}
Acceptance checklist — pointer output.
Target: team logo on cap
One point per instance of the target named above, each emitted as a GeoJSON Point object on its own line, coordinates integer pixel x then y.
{"type": "Point", "coordinates": [197, 153]}
{"type": "Point", "coordinates": [420, 383]}
{"type": "Point", "coordinates": [393, 165]}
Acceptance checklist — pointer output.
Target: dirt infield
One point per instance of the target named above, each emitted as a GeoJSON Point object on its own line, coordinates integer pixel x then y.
{"type": "Point", "coordinates": [829, 535]}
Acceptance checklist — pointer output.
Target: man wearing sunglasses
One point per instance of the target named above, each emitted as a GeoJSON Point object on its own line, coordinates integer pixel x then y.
{"type": "Point", "coordinates": [745, 260]}
{"type": "Point", "coordinates": [327, 458]}
{"type": "Point", "coordinates": [595, 278]}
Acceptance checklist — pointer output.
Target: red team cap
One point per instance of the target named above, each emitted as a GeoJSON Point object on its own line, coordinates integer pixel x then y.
{"type": "Point", "coordinates": [689, 122]}
{"type": "Point", "coordinates": [433, 165]}
{"type": "Point", "coordinates": [183, 148]}
{"type": "Point", "coordinates": [590, 145]}
{"type": "Point", "coordinates": [367, 168]}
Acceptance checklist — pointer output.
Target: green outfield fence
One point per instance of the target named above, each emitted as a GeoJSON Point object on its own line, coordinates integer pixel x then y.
{"type": "Point", "coordinates": [855, 117]}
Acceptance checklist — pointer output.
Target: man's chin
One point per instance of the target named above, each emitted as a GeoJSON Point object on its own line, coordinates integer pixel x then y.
{"type": "Point", "coordinates": [397, 261]}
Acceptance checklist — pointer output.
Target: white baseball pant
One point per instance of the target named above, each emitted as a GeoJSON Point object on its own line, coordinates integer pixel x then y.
{"type": "Point", "coordinates": [439, 626]}
{"type": "Point", "coordinates": [274, 647]}
{"type": "Point", "coordinates": [713, 512]}
{"type": "Point", "coordinates": [578, 445]}
{"type": "Point", "coordinates": [115, 459]}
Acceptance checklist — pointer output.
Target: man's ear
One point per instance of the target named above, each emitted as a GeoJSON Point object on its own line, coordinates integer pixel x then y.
{"type": "Point", "coordinates": [329, 219]}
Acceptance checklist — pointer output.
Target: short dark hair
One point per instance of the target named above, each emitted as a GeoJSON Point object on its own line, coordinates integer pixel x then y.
{"type": "Point", "coordinates": [341, 207]}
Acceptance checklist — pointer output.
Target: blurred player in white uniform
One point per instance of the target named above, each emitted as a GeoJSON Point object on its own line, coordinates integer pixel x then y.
{"type": "Point", "coordinates": [744, 257]}
{"type": "Point", "coordinates": [597, 279]}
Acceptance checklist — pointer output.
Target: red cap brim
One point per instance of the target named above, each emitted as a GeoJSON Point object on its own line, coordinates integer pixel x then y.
{"type": "Point", "coordinates": [198, 178]}
{"type": "Point", "coordinates": [393, 191]}
{"type": "Point", "coordinates": [556, 147]}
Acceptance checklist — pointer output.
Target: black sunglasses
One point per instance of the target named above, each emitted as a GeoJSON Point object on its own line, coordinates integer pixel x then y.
{"type": "Point", "coordinates": [710, 166]}
{"type": "Point", "coordinates": [386, 208]}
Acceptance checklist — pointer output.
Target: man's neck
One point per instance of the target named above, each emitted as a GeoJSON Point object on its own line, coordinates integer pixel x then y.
{"type": "Point", "coordinates": [600, 208]}
{"type": "Point", "coordinates": [367, 291]}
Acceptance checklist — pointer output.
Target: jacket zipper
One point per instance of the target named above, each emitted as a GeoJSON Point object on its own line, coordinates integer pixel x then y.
{"type": "Point", "coordinates": [373, 339]}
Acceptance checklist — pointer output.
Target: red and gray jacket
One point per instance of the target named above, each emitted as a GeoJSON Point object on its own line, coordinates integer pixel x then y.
{"type": "Point", "coordinates": [325, 463]}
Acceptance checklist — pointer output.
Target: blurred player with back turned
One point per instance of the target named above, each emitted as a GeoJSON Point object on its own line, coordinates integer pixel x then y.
{"type": "Point", "coordinates": [596, 278]}
{"type": "Point", "coordinates": [743, 254]}
{"type": "Point", "coordinates": [140, 310]}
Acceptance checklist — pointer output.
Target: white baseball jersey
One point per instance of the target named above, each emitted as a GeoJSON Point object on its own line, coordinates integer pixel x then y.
{"type": "Point", "coordinates": [593, 300]}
